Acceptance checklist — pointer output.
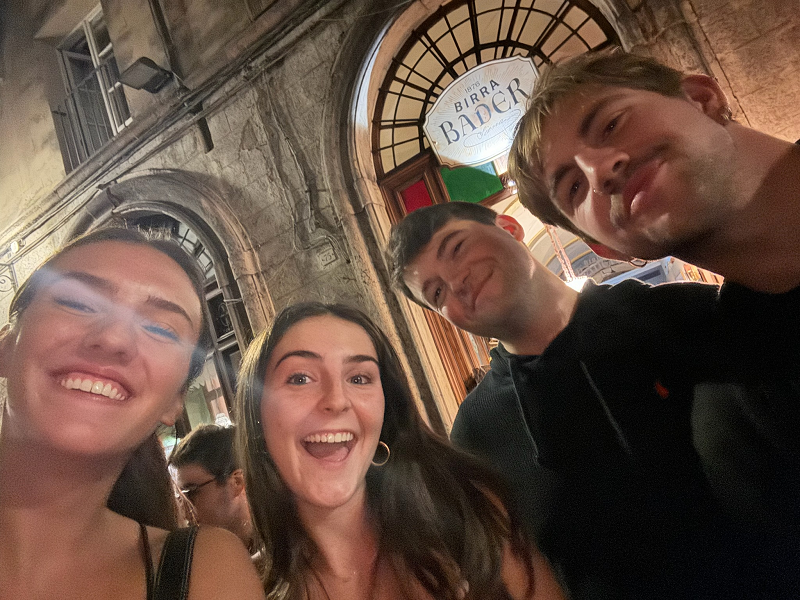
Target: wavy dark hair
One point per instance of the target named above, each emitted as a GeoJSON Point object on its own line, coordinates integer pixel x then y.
{"type": "Point", "coordinates": [410, 236]}
{"type": "Point", "coordinates": [211, 447]}
{"type": "Point", "coordinates": [144, 490]}
{"type": "Point", "coordinates": [441, 515]}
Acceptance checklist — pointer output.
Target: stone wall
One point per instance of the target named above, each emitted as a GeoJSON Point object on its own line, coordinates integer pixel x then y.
{"type": "Point", "coordinates": [30, 158]}
{"type": "Point", "coordinates": [273, 177]}
{"type": "Point", "coordinates": [750, 46]}
{"type": "Point", "coordinates": [756, 47]}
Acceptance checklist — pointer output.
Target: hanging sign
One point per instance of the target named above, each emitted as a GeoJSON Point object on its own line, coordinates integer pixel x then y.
{"type": "Point", "coordinates": [473, 121]}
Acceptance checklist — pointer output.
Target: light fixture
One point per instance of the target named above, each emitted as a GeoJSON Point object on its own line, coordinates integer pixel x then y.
{"type": "Point", "coordinates": [144, 74]}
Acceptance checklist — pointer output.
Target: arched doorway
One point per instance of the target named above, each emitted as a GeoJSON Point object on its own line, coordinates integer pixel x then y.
{"type": "Point", "coordinates": [171, 203]}
{"type": "Point", "coordinates": [420, 61]}
{"type": "Point", "coordinates": [210, 397]}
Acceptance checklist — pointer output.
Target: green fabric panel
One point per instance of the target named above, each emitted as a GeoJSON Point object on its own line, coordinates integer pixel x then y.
{"type": "Point", "coordinates": [471, 184]}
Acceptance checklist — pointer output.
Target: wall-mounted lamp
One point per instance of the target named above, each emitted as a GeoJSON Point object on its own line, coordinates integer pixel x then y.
{"type": "Point", "coordinates": [144, 74]}
{"type": "Point", "coordinates": [13, 248]}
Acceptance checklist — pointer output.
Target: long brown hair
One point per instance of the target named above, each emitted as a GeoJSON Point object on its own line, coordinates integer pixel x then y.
{"type": "Point", "coordinates": [441, 516]}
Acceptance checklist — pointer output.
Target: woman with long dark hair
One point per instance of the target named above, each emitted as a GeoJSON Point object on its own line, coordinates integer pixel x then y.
{"type": "Point", "coordinates": [102, 343]}
{"type": "Point", "coordinates": [353, 495]}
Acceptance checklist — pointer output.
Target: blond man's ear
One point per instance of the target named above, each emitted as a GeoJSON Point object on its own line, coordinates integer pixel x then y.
{"type": "Point", "coordinates": [706, 94]}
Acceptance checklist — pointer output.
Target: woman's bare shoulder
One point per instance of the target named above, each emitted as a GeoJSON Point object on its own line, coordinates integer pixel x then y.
{"type": "Point", "coordinates": [515, 576]}
{"type": "Point", "coordinates": [222, 569]}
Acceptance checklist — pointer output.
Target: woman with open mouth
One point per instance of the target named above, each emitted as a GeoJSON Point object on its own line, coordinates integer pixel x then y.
{"type": "Point", "coordinates": [102, 343]}
{"type": "Point", "coordinates": [353, 495]}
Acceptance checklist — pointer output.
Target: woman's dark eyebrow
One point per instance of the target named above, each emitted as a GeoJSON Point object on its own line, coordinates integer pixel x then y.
{"type": "Point", "coordinates": [300, 353]}
{"type": "Point", "coordinates": [357, 358]}
{"type": "Point", "coordinates": [107, 287]}
{"type": "Point", "coordinates": [169, 306]}
{"type": "Point", "coordinates": [92, 281]}
{"type": "Point", "coordinates": [360, 358]}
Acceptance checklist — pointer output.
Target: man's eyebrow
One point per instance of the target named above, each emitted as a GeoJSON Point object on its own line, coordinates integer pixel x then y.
{"type": "Point", "coordinates": [557, 177]}
{"type": "Point", "coordinates": [591, 115]}
{"type": "Point", "coordinates": [443, 243]}
{"type": "Point", "coordinates": [583, 131]}
{"type": "Point", "coordinates": [439, 254]}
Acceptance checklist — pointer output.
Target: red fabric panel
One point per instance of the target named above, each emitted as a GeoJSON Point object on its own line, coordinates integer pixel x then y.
{"type": "Point", "coordinates": [416, 196]}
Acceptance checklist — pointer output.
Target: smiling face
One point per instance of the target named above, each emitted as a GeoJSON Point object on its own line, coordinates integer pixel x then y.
{"type": "Point", "coordinates": [640, 172]}
{"type": "Point", "coordinates": [101, 354]}
{"type": "Point", "coordinates": [322, 410]}
{"type": "Point", "coordinates": [475, 275]}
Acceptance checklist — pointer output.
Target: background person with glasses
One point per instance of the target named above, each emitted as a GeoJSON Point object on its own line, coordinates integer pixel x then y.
{"type": "Point", "coordinates": [212, 481]}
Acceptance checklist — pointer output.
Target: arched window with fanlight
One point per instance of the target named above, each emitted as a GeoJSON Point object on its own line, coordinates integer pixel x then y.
{"type": "Point", "coordinates": [210, 397]}
{"type": "Point", "coordinates": [459, 36]}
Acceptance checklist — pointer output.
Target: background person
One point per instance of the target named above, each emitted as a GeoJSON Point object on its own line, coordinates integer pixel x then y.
{"type": "Point", "coordinates": [365, 500]}
{"type": "Point", "coordinates": [212, 481]}
{"type": "Point", "coordinates": [586, 408]}
{"type": "Point", "coordinates": [102, 343]}
{"type": "Point", "coordinates": [643, 160]}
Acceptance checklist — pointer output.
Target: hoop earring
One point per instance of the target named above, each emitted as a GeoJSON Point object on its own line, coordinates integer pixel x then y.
{"type": "Point", "coordinates": [637, 262]}
{"type": "Point", "coordinates": [388, 454]}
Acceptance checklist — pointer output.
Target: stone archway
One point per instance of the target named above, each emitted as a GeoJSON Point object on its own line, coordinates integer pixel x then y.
{"type": "Point", "coordinates": [369, 172]}
{"type": "Point", "coordinates": [202, 207]}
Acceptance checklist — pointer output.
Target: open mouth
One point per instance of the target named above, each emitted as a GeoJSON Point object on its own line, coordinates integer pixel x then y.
{"type": "Point", "coordinates": [93, 385]}
{"type": "Point", "coordinates": [334, 447]}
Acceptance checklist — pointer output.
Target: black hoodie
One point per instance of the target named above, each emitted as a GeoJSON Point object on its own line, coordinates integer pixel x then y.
{"type": "Point", "coordinates": [594, 438]}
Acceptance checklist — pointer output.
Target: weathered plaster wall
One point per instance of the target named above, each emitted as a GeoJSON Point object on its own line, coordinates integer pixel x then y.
{"type": "Point", "coordinates": [750, 46]}
{"type": "Point", "coordinates": [201, 28]}
{"type": "Point", "coordinates": [756, 46]}
{"type": "Point", "coordinates": [134, 35]}
{"type": "Point", "coordinates": [278, 186]}
{"type": "Point", "coordinates": [30, 159]}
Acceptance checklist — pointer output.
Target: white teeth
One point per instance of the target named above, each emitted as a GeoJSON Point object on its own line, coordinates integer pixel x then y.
{"type": "Point", "coordinates": [329, 438]}
{"type": "Point", "coordinates": [95, 387]}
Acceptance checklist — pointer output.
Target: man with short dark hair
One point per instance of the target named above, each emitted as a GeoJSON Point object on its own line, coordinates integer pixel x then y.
{"type": "Point", "coordinates": [585, 410]}
{"type": "Point", "coordinates": [643, 160]}
{"type": "Point", "coordinates": [212, 481]}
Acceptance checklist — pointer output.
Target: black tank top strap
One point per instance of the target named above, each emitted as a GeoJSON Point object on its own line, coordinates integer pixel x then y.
{"type": "Point", "coordinates": [147, 556]}
{"type": "Point", "coordinates": [174, 568]}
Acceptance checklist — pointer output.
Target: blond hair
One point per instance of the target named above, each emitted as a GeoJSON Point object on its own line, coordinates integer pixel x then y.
{"type": "Point", "coordinates": [558, 81]}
